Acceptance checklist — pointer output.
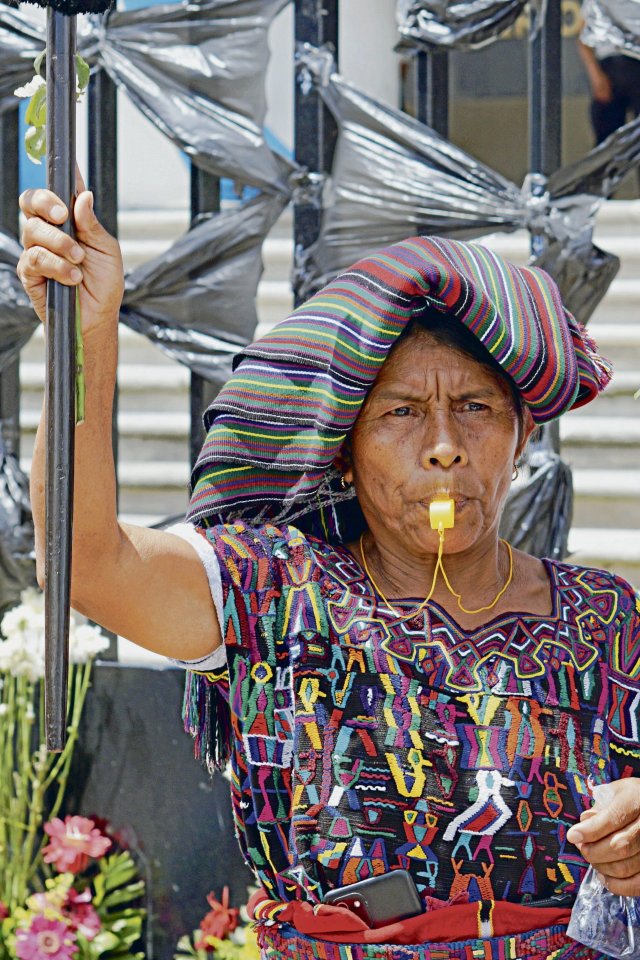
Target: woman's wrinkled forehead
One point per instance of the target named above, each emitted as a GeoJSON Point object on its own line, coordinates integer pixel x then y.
{"type": "Point", "coordinates": [420, 363]}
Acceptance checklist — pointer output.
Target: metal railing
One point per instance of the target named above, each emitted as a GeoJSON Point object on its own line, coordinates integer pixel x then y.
{"type": "Point", "coordinates": [426, 87]}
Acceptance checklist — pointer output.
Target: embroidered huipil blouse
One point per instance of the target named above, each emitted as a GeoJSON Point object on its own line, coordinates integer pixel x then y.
{"type": "Point", "coordinates": [362, 742]}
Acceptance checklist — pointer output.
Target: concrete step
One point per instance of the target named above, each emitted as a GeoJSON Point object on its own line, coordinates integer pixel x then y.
{"type": "Point", "coordinates": [618, 399]}
{"type": "Point", "coordinates": [601, 441]}
{"type": "Point", "coordinates": [277, 253]}
{"type": "Point", "coordinates": [141, 387]}
{"type": "Point", "coordinates": [621, 303]}
{"type": "Point", "coordinates": [607, 498]}
{"type": "Point", "coordinates": [158, 489]}
{"type": "Point", "coordinates": [516, 246]}
{"type": "Point", "coordinates": [619, 342]}
{"type": "Point", "coordinates": [133, 349]}
{"type": "Point", "coordinates": [145, 234]}
{"type": "Point", "coordinates": [618, 217]}
{"type": "Point", "coordinates": [617, 550]}
{"type": "Point", "coordinates": [149, 437]}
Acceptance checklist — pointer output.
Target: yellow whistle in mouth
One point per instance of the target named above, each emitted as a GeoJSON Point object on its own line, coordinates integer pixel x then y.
{"type": "Point", "coordinates": [442, 514]}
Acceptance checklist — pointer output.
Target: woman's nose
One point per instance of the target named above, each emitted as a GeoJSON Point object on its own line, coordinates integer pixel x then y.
{"type": "Point", "coordinates": [443, 444]}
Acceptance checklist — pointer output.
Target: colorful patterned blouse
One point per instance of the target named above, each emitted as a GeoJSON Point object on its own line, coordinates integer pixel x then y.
{"type": "Point", "coordinates": [363, 743]}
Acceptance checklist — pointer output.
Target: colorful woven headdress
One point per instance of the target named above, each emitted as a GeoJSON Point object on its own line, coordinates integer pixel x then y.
{"type": "Point", "coordinates": [276, 427]}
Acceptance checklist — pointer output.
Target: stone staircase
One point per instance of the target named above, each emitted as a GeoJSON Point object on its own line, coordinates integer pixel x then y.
{"type": "Point", "coordinates": [601, 442]}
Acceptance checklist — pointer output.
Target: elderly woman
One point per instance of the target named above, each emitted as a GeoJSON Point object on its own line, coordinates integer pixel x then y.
{"type": "Point", "coordinates": [391, 695]}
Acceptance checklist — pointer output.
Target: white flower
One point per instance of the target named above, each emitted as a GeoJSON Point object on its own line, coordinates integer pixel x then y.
{"type": "Point", "coordinates": [30, 88]}
{"type": "Point", "coordinates": [4, 709]}
{"type": "Point", "coordinates": [85, 642]}
{"type": "Point", "coordinates": [23, 656]}
{"type": "Point", "coordinates": [33, 598]}
{"type": "Point", "coordinates": [22, 652]}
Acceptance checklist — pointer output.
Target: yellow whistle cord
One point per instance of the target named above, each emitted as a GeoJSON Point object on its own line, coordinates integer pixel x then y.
{"type": "Point", "coordinates": [439, 566]}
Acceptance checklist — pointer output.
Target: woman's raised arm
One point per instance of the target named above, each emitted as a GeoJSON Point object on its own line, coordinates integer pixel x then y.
{"type": "Point", "coordinates": [143, 584]}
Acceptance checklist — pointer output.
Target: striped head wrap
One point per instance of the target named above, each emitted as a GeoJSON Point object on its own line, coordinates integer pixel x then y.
{"type": "Point", "coordinates": [276, 427]}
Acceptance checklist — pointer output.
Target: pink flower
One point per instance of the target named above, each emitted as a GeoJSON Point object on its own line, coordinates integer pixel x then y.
{"type": "Point", "coordinates": [73, 842]}
{"type": "Point", "coordinates": [45, 940]}
{"type": "Point", "coordinates": [81, 914]}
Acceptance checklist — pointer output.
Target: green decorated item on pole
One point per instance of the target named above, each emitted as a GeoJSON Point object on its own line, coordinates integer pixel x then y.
{"type": "Point", "coordinates": [55, 106]}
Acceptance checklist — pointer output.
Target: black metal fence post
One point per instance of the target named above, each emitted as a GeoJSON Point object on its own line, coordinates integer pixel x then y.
{"type": "Point", "coordinates": [315, 131]}
{"type": "Point", "coordinates": [431, 89]}
{"type": "Point", "coordinates": [9, 213]}
{"type": "Point", "coordinates": [205, 198]}
{"type": "Point", "coordinates": [103, 181]}
{"type": "Point", "coordinates": [545, 93]}
{"type": "Point", "coordinates": [545, 120]}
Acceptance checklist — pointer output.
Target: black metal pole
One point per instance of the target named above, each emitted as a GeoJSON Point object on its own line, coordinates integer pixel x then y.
{"type": "Point", "coordinates": [545, 121]}
{"type": "Point", "coordinates": [545, 93]}
{"type": "Point", "coordinates": [60, 386]}
{"type": "Point", "coordinates": [103, 149]}
{"type": "Point", "coordinates": [205, 198]}
{"type": "Point", "coordinates": [431, 89]}
{"type": "Point", "coordinates": [103, 181]}
{"type": "Point", "coordinates": [315, 130]}
{"type": "Point", "coordinates": [9, 188]}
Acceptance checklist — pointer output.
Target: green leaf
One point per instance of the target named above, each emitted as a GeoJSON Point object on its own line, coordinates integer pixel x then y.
{"type": "Point", "coordinates": [36, 112]}
{"type": "Point", "coordinates": [105, 940]}
{"type": "Point", "coordinates": [184, 943]}
{"type": "Point", "coordinates": [83, 73]}
{"type": "Point", "coordinates": [38, 64]}
{"type": "Point", "coordinates": [117, 870]}
{"type": "Point", "coordinates": [124, 894]}
{"type": "Point", "coordinates": [99, 887]}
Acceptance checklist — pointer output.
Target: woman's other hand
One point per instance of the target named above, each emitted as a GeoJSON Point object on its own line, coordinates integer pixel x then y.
{"type": "Point", "coordinates": [92, 261]}
{"type": "Point", "coordinates": [609, 838]}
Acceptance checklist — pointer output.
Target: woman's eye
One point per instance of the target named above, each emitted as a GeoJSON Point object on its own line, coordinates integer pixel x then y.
{"type": "Point", "coordinates": [473, 406]}
{"type": "Point", "coordinates": [400, 411]}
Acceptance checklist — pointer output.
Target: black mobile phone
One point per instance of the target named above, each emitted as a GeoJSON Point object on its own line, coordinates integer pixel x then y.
{"type": "Point", "coordinates": [380, 900]}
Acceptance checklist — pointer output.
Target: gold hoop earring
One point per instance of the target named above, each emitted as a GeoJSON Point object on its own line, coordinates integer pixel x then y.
{"type": "Point", "coordinates": [344, 483]}
{"type": "Point", "coordinates": [516, 472]}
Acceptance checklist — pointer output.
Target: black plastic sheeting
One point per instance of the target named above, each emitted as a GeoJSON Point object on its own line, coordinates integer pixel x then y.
{"type": "Point", "coordinates": [393, 177]}
{"type": "Point", "coordinates": [537, 515]}
{"type": "Point", "coordinates": [195, 70]}
{"type": "Point", "coordinates": [17, 557]}
{"type": "Point", "coordinates": [17, 319]}
{"type": "Point", "coordinates": [612, 24]}
{"type": "Point", "coordinates": [197, 301]}
{"type": "Point", "coordinates": [582, 270]}
{"type": "Point", "coordinates": [455, 24]}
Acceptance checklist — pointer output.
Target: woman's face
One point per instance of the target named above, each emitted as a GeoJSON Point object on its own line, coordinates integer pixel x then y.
{"type": "Point", "coordinates": [435, 422]}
